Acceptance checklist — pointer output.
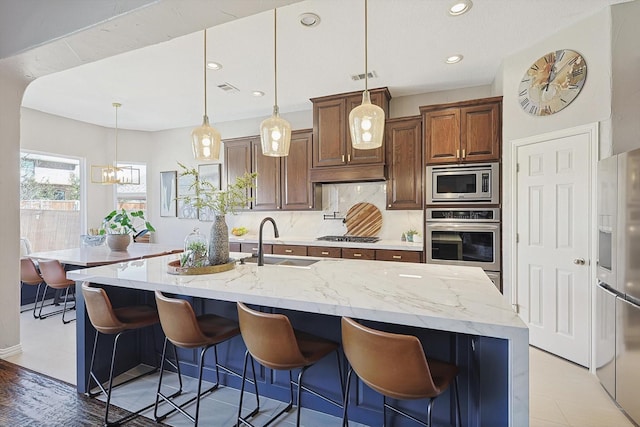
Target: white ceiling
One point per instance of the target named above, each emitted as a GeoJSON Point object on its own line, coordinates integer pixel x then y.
{"type": "Point", "coordinates": [161, 86]}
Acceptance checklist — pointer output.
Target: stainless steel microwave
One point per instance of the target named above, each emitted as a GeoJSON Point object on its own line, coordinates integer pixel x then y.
{"type": "Point", "coordinates": [463, 184]}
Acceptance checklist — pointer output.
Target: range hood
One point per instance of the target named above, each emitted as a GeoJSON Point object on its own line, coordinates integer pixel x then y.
{"type": "Point", "coordinates": [355, 173]}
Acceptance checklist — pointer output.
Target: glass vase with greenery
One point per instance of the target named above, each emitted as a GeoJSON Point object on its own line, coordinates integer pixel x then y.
{"type": "Point", "coordinates": [203, 194]}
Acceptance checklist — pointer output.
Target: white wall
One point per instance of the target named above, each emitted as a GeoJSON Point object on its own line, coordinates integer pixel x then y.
{"type": "Point", "coordinates": [626, 77]}
{"type": "Point", "coordinates": [410, 105]}
{"type": "Point", "coordinates": [591, 38]}
{"type": "Point", "coordinates": [11, 90]}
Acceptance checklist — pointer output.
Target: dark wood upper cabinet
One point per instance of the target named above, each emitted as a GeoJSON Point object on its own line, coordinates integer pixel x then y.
{"type": "Point", "coordinates": [468, 131]}
{"type": "Point", "coordinates": [282, 182]}
{"type": "Point", "coordinates": [266, 194]}
{"type": "Point", "coordinates": [331, 135]}
{"type": "Point", "coordinates": [237, 159]}
{"type": "Point", "coordinates": [297, 190]}
{"type": "Point", "coordinates": [404, 162]}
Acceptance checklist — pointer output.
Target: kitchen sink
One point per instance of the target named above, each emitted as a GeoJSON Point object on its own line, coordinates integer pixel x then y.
{"type": "Point", "coordinates": [291, 262]}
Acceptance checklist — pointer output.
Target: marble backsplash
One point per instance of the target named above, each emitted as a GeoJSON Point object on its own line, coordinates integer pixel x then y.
{"type": "Point", "coordinates": [335, 198]}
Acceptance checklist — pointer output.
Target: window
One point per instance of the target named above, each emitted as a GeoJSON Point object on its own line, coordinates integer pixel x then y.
{"type": "Point", "coordinates": [49, 201]}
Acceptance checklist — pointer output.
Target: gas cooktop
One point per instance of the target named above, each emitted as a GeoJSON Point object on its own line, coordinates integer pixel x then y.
{"type": "Point", "coordinates": [357, 239]}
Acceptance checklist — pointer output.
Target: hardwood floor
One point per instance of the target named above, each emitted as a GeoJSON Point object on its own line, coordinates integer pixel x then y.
{"type": "Point", "coordinates": [31, 399]}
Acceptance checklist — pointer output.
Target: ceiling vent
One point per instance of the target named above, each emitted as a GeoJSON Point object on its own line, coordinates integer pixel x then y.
{"type": "Point", "coordinates": [356, 77]}
{"type": "Point", "coordinates": [227, 87]}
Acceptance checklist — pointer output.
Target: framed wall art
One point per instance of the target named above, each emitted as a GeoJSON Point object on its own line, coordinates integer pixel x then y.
{"type": "Point", "coordinates": [209, 173]}
{"type": "Point", "coordinates": [186, 188]}
{"type": "Point", "coordinates": [168, 182]}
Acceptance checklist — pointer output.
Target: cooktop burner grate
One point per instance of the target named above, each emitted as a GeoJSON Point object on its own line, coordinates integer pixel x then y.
{"type": "Point", "coordinates": [357, 239]}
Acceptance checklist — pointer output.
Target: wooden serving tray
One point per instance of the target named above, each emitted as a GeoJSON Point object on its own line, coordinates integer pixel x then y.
{"type": "Point", "coordinates": [174, 268]}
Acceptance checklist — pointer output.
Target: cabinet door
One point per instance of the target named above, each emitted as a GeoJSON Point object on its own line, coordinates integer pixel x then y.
{"type": "Point", "coordinates": [298, 192]}
{"type": "Point", "coordinates": [237, 159]}
{"type": "Point", "coordinates": [398, 256]}
{"type": "Point", "coordinates": [329, 128]}
{"type": "Point", "coordinates": [252, 248]}
{"type": "Point", "coordinates": [356, 157]}
{"type": "Point", "coordinates": [480, 133]}
{"type": "Point", "coordinates": [442, 136]}
{"type": "Point", "coordinates": [266, 195]}
{"type": "Point", "coordinates": [358, 253]}
{"type": "Point", "coordinates": [324, 251]}
{"type": "Point", "coordinates": [290, 250]}
{"type": "Point", "coordinates": [404, 162]}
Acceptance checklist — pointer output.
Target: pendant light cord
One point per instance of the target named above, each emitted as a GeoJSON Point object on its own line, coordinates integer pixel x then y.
{"type": "Point", "coordinates": [115, 163]}
{"type": "Point", "coordinates": [366, 59]}
{"type": "Point", "coordinates": [205, 72]}
{"type": "Point", "coordinates": [275, 57]}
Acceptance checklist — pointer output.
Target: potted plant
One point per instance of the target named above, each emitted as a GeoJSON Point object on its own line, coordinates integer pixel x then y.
{"type": "Point", "coordinates": [119, 226]}
{"type": "Point", "coordinates": [205, 195]}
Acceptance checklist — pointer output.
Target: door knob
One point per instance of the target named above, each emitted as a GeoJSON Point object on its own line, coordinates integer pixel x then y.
{"type": "Point", "coordinates": [578, 261]}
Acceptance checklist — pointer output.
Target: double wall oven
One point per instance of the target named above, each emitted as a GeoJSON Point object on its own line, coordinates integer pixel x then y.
{"type": "Point", "coordinates": [463, 217]}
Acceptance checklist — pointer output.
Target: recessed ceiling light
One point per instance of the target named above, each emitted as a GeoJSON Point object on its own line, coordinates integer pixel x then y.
{"type": "Point", "coordinates": [214, 66]}
{"type": "Point", "coordinates": [453, 59]}
{"type": "Point", "coordinates": [309, 19]}
{"type": "Point", "coordinates": [460, 7]}
{"type": "Point", "coordinates": [257, 93]}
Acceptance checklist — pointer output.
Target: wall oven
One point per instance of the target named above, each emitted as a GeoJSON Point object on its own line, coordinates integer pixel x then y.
{"type": "Point", "coordinates": [469, 183]}
{"type": "Point", "coordinates": [463, 236]}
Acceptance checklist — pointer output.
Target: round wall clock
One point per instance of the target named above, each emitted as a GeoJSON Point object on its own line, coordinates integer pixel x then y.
{"type": "Point", "coordinates": [552, 82]}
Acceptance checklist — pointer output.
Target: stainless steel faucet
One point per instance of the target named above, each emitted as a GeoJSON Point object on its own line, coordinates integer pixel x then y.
{"type": "Point", "coordinates": [260, 248]}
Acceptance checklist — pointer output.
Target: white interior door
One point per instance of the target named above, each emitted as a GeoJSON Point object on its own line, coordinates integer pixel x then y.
{"type": "Point", "coordinates": [553, 244]}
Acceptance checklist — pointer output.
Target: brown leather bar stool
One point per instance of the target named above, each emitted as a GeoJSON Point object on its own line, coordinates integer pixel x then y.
{"type": "Point", "coordinates": [184, 329]}
{"type": "Point", "coordinates": [395, 366]}
{"type": "Point", "coordinates": [55, 277]}
{"type": "Point", "coordinates": [114, 321]}
{"type": "Point", "coordinates": [29, 275]}
{"type": "Point", "coordinates": [272, 341]}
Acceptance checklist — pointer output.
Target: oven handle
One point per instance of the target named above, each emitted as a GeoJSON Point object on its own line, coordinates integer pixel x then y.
{"type": "Point", "coordinates": [466, 226]}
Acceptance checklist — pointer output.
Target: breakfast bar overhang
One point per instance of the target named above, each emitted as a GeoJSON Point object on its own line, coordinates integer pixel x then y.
{"type": "Point", "coordinates": [455, 311]}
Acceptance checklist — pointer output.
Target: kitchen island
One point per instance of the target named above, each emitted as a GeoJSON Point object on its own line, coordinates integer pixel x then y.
{"type": "Point", "coordinates": [456, 311]}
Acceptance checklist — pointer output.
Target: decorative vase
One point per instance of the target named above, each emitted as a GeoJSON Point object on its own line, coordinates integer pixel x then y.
{"type": "Point", "coordinates": [219, 241]}
{"type": "Point", "coordinates": [118, 242]}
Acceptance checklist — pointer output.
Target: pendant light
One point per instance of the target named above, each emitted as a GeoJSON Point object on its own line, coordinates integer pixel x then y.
{"type": "Point", "coordinates": [205, 140]}
{"type": "Point", "coordinates": [114, 174]}
{"type": "Point", "coordinates": [366, 121]}
{"type": "Point", "coordinates": [275, 132]}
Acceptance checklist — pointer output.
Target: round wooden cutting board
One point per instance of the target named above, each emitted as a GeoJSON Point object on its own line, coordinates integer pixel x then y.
{"type": "Point", "coordinates": [363, 219]}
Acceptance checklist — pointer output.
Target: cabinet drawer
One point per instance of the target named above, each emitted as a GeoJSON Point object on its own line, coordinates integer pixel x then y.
{"type": "Point", "coordinates": [399, 256]}
{"type": "Point", "coordinates": [358, 253]}
{"type": "Point", "coordinates": [321, 251]}
{"type": "Point", "coordinates": [234, 247]}
{"type": "Point", "coordinates": [290, 250]}
{"type": "Point", "coordinates": [253, 248]}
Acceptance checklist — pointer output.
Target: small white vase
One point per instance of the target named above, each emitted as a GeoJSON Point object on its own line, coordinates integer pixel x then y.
{"type": "Point", "coordinates": [118, 242]}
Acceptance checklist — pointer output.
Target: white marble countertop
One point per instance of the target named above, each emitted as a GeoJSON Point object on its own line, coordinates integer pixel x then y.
{"type": "Point", "coordinates": [310, 241]}
{"type": "Point", "coordinates": [441, 297]}
{"type": "Point", "coordinates": [451, 298]}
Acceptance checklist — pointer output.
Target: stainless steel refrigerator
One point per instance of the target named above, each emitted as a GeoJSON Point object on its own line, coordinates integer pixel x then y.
{"type": "Point", "coordinates": [617, 335]}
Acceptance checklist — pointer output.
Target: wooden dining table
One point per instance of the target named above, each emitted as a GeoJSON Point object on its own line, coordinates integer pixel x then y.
{"type": "Point", "coordinates": [92, 256]}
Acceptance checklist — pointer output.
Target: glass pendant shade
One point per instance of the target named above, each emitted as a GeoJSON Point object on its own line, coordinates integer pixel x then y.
{"type": "Point", "coordinates": [205, 141]}
{"type": "Point", "coordinates": [275, 135]}
{"type": "Point", "coordinates": [366, 123]}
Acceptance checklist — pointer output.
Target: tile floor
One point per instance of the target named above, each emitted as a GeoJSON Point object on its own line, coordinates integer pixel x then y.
{"type": "Point", "coordinates": [562, 394]}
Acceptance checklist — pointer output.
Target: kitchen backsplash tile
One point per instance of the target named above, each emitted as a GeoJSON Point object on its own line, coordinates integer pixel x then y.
{"type": "Point", "coordinates": [336, 198]}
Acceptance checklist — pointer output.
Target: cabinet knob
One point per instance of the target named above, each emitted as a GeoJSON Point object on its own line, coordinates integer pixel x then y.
{"type": "Point", "coordinates": [388, 206]}
{"type": "Point", "coordinates": [397, 257]}
{"type": "Point", "coordinates": [288, 250]}
{"type": "Point", "coordinates": [464, 153]}
{"type": "Point", "coordinates": [357, 255]}
{"type": "Point", "coordinates": [343, 158]}
{"type": "Point", "coordinates": [458, 153]}
{"type": "Point", "coordinates": [324, 253]}
{"type": "Point", "coordinates": [348, 158]}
